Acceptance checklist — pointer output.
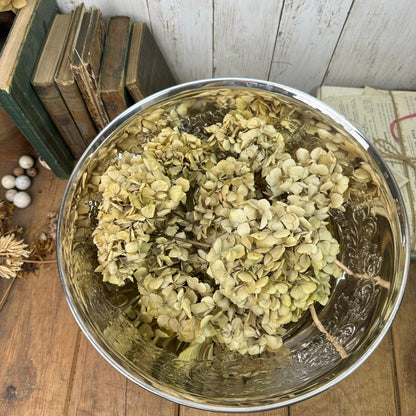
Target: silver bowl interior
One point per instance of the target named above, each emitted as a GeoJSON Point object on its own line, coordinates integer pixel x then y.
{"type": "Point", "coordinates": [358, 314]}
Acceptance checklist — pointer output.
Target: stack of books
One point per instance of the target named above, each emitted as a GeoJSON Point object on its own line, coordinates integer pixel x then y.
{"type": "Point", "coordinates": [83, 73]}
{"type": "Point", "coordinates": [89, 72]}
{"type": "Point", "coordinates": [17, 97]}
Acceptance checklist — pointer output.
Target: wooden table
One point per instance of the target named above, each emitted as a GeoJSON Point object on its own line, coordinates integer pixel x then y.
{"type": "Point", "coordinates": [48, 367]}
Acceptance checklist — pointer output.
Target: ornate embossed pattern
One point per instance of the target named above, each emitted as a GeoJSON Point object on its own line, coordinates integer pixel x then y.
{"type": "Point", "coordinates": [357, 239]}
{"type": "Point", "coordinates": [353, 300]}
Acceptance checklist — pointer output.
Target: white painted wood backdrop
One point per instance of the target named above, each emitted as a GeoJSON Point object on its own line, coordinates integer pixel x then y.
{"type": "Point", "coordinates": [300, 43]}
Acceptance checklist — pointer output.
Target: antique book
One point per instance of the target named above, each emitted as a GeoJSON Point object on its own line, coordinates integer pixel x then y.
{"type": "Point", "coordinates": [18, 98]}
{"type": "Point", "coordinates": [86, 63]}
{"type": "Point", "coordinates": [65, 80]}
{"type": "Point", "coordinates": [113, 67]}
{"type": "Point", "coordinates": [388, 120]}
{"type": "Point", "coordinates": [147, 70]}
{"type": "Point", "coordinates": [44, 84]}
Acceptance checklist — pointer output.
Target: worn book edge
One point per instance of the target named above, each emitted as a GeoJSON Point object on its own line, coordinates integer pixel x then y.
{"type": "Point", "coordinates": [112, 83]}
{"type": "Point", "coordinates": [84, 65]}
{"type": "Point", "coordinates": [46, 89]}
{"type": "Point", "coordinates": [17, 96]}
{"type": "Point", "coordinates": [65, 80]}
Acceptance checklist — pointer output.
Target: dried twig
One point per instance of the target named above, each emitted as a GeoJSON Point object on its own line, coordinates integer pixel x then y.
{"type": "Point", "coordinates": [182, 217]}
{"type": "Point", "coordinates": [329, 337]}
{"type": "Point", "coordinates": [7, 292]}
{"type": "Point", "coordinates": [183, 240]}
{"type": "Point", "coordinates": [377, 279]}
{"type": "Point", "coordinates": [39, 261]}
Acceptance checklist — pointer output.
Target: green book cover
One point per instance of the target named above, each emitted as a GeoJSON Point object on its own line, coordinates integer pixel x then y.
{"type": "Point", "coordinates": [18, 98]}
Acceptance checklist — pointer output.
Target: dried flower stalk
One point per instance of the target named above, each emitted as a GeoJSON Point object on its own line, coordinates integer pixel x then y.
{"type": "Point", "coordinates": [340, 349]}
{"type": "Point", "coordinates": [378, 280]}
{"type": "Point", "coordinates": [7, 292]}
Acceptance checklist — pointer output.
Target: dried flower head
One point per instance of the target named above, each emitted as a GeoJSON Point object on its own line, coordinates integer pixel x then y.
{"type": "Point", "coordinates": [6, 210]}
{"type": "Point", "coordinates": [14, 5]}
{"type": "Point", "coordinates": [12, 255]}
{"type": "Point", "coordinates": [224, 227]}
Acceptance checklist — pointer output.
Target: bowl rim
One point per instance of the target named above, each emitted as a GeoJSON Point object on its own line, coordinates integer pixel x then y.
{"type": "Point", "coordinates": [284, 91]}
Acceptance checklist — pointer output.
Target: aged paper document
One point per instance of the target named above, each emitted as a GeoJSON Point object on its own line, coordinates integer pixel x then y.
{"type": "Point", "coordinates": [388, 120]}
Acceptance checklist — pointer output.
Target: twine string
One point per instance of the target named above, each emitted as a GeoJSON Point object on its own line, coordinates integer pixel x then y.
{"type": "Point", "coordinates": [392, 154]}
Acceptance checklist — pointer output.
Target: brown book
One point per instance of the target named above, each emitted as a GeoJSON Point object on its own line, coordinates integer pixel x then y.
{"type": "Point", "coordinates": [113, 66]}
{"type": "Point", "coordinates": [147, 70]}
{"type": "Point", "coordinates": [65, 80]}
{"type": "Point", "coordinates": [44, 84]}
{"type": "Point", "coordinates": [86, 63]}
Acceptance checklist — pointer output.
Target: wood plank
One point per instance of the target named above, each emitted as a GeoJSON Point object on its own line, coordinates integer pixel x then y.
{"type": "Point", "coordinates": [188, 411]}
{"type": "Point", "coordinates": [216, 38]}
{"type": "Point", "coordinates": [308, 33]}
{"type": "Point", "coordinates": [404, 340]}
{"type": "Point", "coordinates": [99, 389]}
{"type": "Point", "coordinates": [375, 47]}
{"type": "Point", "coordinates": [12, 141]}
{"type": "Point", "coordinates": [37, 346]}
{"type": "Point", "coordinates": [37, 330]}
{"type": "Point", "coordinates": [368, 391]}
{"type": "Point", "coordinates": [140, 402]}
{"type": "Point", "coordinates": [183, 31]}
{"type": "Point", "coordinates": [244, 37]}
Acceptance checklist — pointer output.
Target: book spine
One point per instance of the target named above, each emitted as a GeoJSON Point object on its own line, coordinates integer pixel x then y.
{"type": "Point", "coordinates": [156, 72]}
{"type": "Point", "coordinates": [55, 106]}
{"type": "Point", "coordinates": [22, 104]}
{"type": "Point", "coordinates": [76, 106]}
{"type": "Point", "coordinates": [135, 91]}
{"type": "Point", "coordinates": [92, 99]}
{"type": "Point", "coordinates": [114, 102]}
{"type": "Point", "coordinates": [38, 130]}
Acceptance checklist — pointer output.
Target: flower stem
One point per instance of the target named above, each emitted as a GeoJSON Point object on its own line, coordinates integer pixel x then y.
{"type": "Point", "coordinates": [329, 337]}
{"type": "Point", "coordinates": [6, 293]}
{"type": "Point", "coordinates": [377, 279]}
{"type": "Point", "coordinates": [39, 261]}
{"type": "Point", "coordinates": [183, 240]}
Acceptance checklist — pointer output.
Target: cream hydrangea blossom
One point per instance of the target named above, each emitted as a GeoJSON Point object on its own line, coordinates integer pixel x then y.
{"type": "Point", "coordinates": [14, 5]}
{"type": "Point", "coordinates": [226, 237]}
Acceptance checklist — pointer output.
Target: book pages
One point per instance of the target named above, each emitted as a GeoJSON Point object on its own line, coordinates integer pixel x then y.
{"type": "Point", "coordinates": [388, 120]}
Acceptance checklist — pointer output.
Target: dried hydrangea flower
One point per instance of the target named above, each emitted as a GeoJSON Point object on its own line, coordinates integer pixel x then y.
{"type": "Point", "coordinates": [225, 230]}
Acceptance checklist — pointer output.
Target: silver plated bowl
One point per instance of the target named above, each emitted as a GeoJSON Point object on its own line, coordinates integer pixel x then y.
{"type": "Point", "coordinates": [358, 314]}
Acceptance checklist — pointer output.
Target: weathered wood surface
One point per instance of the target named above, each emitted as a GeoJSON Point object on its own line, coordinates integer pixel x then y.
{"type": "Point", "coordinates": [244, 37]}
{"type": "Point", "coordinates": [404, 342]}
{"type": "Point", "coordinates": [9, 130]}
{"type": "Point", "coordinates": [37, 331]}
{"type": "Point", "coordinates": [299, 43]}
{"type": "Point", "coordinates": [374, 46]}
{"type": "Point", "coordinates": [308, 33]}
{"type": "Point", "coordinates": [48, 367]}
{"type": "Point", "coordinates": [99, 389]}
